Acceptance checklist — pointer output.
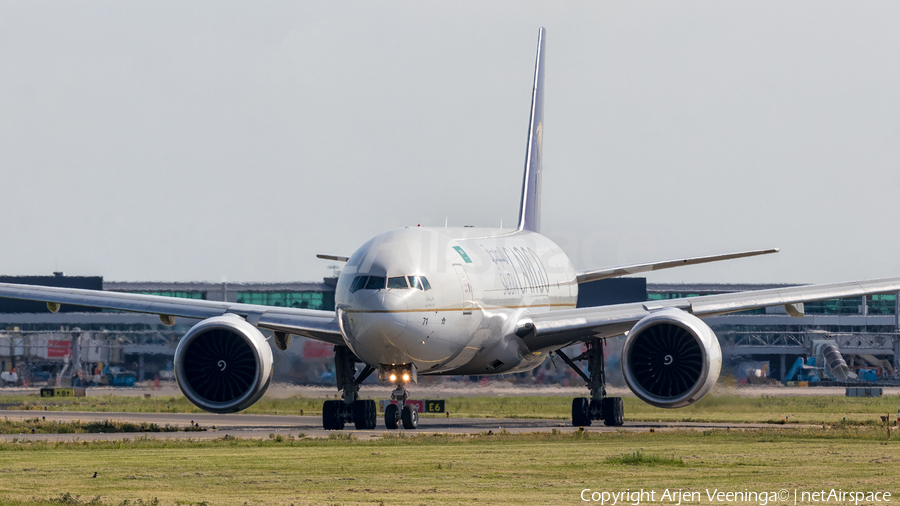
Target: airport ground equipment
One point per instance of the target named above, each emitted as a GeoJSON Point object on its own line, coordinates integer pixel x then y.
{"type": "Point", "coordinates": [827, 354]}
{"type": "Point", "coordinates": [794, 369]}
{"type": "Point", "coordinates": [803, 370]}
{"type": "Point", "coordinates": [824, 356]}
{"type": "Point", "coordinates": [867, 374]}
{"type": "Point", "coordinates": [825, 360]}
{"type": "Point", "coordinates": [886, 366]}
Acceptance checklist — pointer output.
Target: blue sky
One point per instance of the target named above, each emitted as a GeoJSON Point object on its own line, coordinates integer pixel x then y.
{"type": "Point", "coordinates": [235, 140]}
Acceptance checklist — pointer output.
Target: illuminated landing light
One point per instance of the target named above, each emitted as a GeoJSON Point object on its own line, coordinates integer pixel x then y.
{"type": "Point", "coordinates": [398, 375]}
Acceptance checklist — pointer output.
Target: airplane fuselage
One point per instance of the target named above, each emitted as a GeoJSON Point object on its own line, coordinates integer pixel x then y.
{"type": "Point", "coordinates": [448, 300]}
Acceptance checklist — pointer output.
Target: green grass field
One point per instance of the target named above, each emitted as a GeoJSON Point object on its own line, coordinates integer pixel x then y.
{"type": "Point", "coordinates": [480, 469]}
{"type": "Point", "coordinates": [852, 453]}
{"type": "Point", "coordinates": [39, 426]}
{"type": "Point", "coordinates": [712, 408]}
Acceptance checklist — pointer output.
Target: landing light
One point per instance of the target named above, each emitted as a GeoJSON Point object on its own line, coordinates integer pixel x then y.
{"type": "Point", "coordinates": [393, 377]}
{"type": "Point", "coordinates": [405, 377]}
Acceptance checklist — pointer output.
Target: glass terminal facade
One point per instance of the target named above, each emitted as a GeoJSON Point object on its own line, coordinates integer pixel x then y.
{"type": "Point", "coordinates": [304, 300]}
{"type": "Point", "coordinates": [181, 294]}
{"type": "Point", "coordinates": [880, 304]}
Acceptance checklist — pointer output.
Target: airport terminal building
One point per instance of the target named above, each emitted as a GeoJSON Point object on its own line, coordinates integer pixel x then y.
{"type": "Point", "coordinates": [117, 348]}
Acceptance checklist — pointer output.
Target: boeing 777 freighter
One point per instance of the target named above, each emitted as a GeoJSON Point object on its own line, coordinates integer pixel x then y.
{"type": "Point", "coordinates": [458, 301]}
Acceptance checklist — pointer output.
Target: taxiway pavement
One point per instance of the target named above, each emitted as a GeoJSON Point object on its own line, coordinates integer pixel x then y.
{"type": "Point", "coordinates": [261, 426]}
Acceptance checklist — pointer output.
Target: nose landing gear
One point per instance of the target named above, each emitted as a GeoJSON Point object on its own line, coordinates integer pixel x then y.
{"type": "Point", "coordinates": [599, 406]}
{"type": "Point", "coordinates": [394, 414]}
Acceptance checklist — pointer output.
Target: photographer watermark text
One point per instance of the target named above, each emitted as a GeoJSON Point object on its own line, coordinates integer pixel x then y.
{"type": "Point", "coordinates": [717, 496]}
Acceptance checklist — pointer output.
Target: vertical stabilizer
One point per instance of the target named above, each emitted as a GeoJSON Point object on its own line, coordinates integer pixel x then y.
{"type": "Point", "coordinates": [530, 208]}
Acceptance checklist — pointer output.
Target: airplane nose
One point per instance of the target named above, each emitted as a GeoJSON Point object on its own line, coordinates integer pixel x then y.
{"type": "Point", "coordinates": [389, 313]}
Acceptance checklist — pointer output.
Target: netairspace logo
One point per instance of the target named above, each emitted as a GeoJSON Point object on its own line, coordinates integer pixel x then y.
{"type": "Point", "coordinates": [716, 496]}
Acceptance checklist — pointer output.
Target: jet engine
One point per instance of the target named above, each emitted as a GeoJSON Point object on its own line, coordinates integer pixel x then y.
{"type": "Point", "coordinates": [671, 359]}
{"type": "Point", "coordinates": [223, 364]}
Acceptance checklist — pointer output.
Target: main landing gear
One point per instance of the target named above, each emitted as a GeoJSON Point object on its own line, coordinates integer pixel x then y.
{"type": "Point", "coordinates": [362, 413]}
{"type": "Point", "coordinates": [599, 406]}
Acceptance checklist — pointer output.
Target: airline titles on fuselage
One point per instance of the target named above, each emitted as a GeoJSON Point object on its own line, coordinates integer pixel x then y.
{"type": "Point", "coordinates": [521, 270]}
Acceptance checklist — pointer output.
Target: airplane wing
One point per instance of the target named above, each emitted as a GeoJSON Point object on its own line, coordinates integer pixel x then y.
{"type": "Point", "coordinates": [314, 324]}
{"type": "Point", "coordinates": [556, 329]}
{"type": "Point", "coordinates": [622, 270]}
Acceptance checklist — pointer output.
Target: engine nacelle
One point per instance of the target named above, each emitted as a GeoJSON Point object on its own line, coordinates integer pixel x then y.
{"type": "Point", "coordinates": [671, 359]}
{"type": "Point", "coordinates": [223, 364]}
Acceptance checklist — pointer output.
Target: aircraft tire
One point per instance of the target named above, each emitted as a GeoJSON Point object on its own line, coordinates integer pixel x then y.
{"type": "Point", "coordinates": [331, 416]}
{"type": "Point", "coordinates": [391, 416]}
{"type": "Point", "coordinates": [613, 412]}
{"type": "Point", "coordinates": [581, 415]}
{"type": "Point", "coordinates": [410, 417]}
{"type": "Point", "coordinates": [361, 415]}
{"type": "Point", "coordinates": [371, 414]}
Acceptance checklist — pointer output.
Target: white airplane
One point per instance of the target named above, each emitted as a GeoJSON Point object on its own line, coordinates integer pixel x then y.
{"type": "Point", "coordinates": [459, 301]}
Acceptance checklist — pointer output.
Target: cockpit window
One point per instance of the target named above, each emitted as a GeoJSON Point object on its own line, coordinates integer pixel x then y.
{"type": "Point", "coordinates": [375, 283]}
{"type": "Point", "coordinates": [358, 283]}
{"type": "Point", "coordinates": [397, 282]}
{"type": "Point", "coordinates": [419, 282]}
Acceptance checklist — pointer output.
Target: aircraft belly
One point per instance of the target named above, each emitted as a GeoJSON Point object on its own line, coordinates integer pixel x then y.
{"type": "Point", "coordinates": [454, 332]}
{"type": "Point", "coordinates": [468, 351]}
{"type": "Point", "coordinates": [474, 334]}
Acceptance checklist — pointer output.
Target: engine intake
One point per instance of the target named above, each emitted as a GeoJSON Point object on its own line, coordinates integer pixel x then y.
{"type": "Point", "coordinates": [223, 364]}
{"type": "Point", "coordinates": [671, 359]}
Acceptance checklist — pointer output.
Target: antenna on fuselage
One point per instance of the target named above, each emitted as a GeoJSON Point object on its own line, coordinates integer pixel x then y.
{"type": "Point", "coordinates": [530, 207]}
